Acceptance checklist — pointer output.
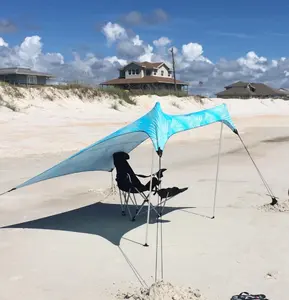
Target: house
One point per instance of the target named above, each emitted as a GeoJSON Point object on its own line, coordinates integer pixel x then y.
{"type": "Point", "coordinates": [24, 76]}
{"type": "Point", "coordinates": [246, 90]}
{"type": "Point", "coordinates": [146, 75]}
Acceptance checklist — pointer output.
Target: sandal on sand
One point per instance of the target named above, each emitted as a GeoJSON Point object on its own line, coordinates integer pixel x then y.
{"type": "Point", "coordinates": [247, 296]}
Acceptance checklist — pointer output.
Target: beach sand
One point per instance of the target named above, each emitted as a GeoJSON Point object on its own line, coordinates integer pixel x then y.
{"type": "Point", "coordinates": [70, 241]}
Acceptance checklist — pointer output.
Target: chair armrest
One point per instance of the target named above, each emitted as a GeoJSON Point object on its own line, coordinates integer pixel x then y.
{"type": "Point", "coordinates": [158, 174]}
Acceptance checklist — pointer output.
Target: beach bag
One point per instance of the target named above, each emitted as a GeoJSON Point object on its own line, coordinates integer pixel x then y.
{"type": "Point", "coordinates": [247, 296]}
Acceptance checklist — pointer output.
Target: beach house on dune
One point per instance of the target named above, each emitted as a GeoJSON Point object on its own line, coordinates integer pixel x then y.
{"type": "Point", "coordinates": [146, 76]}
{"type": "Point", "coordinates": [23, 76]}
{"type": "Point", "coordinates": [246, 90]}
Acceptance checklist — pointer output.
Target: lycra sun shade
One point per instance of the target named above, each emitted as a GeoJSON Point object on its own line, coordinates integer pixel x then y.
{"type": "Point", "coordinates": [156, 125]}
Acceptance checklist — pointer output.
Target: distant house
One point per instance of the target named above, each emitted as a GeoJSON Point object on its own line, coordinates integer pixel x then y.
{"type": "Point", "coordinates": [246, 90]}
{"type": "Point", "coordinates": [23, 76]}
{"type": "Point", "coordinates": [145, 75]}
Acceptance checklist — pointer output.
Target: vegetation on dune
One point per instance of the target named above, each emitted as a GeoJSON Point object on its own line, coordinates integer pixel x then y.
{"type": "Point", "coordinates": [175, 104]}
{"type": "Point", "coordinates": [9, 105]}
{"type": "Point", "coordinates": [127, 96]}
{"type": "Point", "coordinates": [114, 106]}
{"type": "Point", "coordinates": [11, 90]}
{"type": "Point", "coordinates": [88, 92]}
{"type": "Point", "coordinates": [160, 93]}
{"type": "Point", "coordinates": [83, 92]}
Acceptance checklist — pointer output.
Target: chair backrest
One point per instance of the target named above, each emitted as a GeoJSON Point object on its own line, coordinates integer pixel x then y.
{"type": "Point", "coordinates": [125, 176]}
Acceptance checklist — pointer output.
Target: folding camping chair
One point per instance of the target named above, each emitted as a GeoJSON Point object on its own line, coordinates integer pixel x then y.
{"type": "Point", "coordinates": [129, 185]}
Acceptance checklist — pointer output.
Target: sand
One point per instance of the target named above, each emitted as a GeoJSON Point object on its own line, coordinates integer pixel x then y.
{"type": "Point", "coordinates": [163, 291]}
{"type": "Point", "coordinates": [69, 240]}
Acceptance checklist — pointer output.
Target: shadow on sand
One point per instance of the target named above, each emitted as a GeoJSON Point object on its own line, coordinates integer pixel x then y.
{"type": "Point", "coordinates": [101, 219]}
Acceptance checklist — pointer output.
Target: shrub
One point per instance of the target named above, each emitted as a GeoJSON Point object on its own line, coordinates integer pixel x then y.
{"type": "Point", "coordinates": [160, 93]}
{"type": "Point", "coordinates": [114, 106]}
{"type": "Point", "coordinates": [119, 93]}
{"type": "Point", "coordinates": [175, 104]}
{"type": "Point", "coordinates": [12, 91]}
{"type": "Point", "coordinates": [49, 97]}
{"type": "Point", "coordinates": [9, 105]}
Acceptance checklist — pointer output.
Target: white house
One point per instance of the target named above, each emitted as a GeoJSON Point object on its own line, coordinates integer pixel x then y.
{"type": "Point", "coordinates": [145, 75]}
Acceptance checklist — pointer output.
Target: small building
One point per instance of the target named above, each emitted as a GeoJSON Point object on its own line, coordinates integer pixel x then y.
{"type": "Point", "coordinates": [146, 76]}
{"type": "Point", "coordinates": [23, 76]}
{"type": "Point", "coordinates": [246, 90]}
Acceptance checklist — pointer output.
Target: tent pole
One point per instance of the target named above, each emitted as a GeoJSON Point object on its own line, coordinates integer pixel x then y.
{"type": "Point", "coordinates": [149, 203]}
{"type": "Point", "coordinates": [159, 240]}
{"type": "Point", "coordinates": [112, 185]}
{"type": "Point", "coordinates": [217, 173]}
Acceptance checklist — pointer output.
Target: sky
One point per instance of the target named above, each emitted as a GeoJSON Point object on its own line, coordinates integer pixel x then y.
{"type": "Point", "coordinates": [216, 42]}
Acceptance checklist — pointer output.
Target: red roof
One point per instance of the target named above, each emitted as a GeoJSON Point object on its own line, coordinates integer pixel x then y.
{"type": "Point", "coordinates": [145, 79]}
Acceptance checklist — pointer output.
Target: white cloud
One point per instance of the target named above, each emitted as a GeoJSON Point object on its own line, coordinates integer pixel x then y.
{"type": "Point", "coordinates": [3, 43]}
{"type": "Point", "coordinates": [162, 41]}
{"type": "Point", "coordinates": [31, 48]}
{"type": "Point", "coordinates": [115, 59]}
{"type": "Point", "coordinates": [114, 32]}
{"type": "Point", "coordinates": [192, 65]}
{"type": "Point", "coordinates": [137, 41]}
{"type": "Point", "coordinates": [148, 54]}
{"type": "Point", "coordinates": [253, 61]}
{"type": "Point", "coordinates": [192, 51]}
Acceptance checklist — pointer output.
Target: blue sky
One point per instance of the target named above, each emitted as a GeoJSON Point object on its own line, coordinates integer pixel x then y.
{"type": "Point", "coordinates": [218, 42]}
{"type": "Point", "coordinates": [224, 28]}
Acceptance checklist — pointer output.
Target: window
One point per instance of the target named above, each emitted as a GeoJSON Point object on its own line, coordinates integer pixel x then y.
{"type": "Point", "coordinates": [133, 72]}
{"type": "Point", "coordinates": [129, 72]}
{"type": "Point", "coordinates": [137, 71]}
{"type": "Point", "coordinates": [31, 79]}
{"type": "Point", "coordinates": [155, 72]}
{"type": "Point", "coordinates": [162, 73]}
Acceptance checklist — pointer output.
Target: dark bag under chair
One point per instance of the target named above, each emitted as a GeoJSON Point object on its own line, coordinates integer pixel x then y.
{"type": "Point", "coordinates": [129, 184]}
{"type": "Point", "coordinates": [247, 296]}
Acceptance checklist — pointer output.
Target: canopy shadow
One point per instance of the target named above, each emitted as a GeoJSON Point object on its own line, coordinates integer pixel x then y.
{"type": "Point", "coordinates": [101, 219]}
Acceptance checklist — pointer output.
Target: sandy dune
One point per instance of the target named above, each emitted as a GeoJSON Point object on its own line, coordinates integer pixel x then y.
{"type": "Point", "coordinates": [65, 239]}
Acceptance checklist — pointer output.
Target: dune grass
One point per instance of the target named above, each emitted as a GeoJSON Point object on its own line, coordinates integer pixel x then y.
{"type": "Point", "coordinates": [84, 92]}
{"type": "Point", "coordinates": [161, 93]}
{"type": "Point", "coordinates": [10, 105]}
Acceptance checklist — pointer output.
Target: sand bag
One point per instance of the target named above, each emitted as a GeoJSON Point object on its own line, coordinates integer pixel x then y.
{"type": "Point", "coordinates": [247, 296]}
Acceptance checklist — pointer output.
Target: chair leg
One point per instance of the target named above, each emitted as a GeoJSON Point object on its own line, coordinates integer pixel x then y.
{"type": "Point", "coordinates": [139, 209]}
{"type": "Point", "coordinates": [152, 207]}
{"type": "Point", "coordinates": [135, 203]}
{"type": "Point", "coordinates": [121, 204]}
{"type": "Point", "coordinates": [163, 203]}
{"type": "Point", "coordinates": [125, 198]}
{"type": "Point", "coordinates": [128, 197]}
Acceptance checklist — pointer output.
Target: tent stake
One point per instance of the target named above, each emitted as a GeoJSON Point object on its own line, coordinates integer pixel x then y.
{"type": "Point", "coordinates": [149, 203]}
{"type": "Point", "coordinates": [217, 173]}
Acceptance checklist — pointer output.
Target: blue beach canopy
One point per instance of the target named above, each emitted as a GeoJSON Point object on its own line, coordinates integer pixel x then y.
{"type": "Point", "coordinates": [156, 125]}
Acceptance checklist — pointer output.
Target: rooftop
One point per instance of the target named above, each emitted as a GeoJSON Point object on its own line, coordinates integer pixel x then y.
{"type": "Point", "coordinates": [23, 71]}
{"type": "Point", "coordinates": [145, 79]}
{"type": "Point", "coordinates": [259, 89]}
{"type": "Point", "coordinates": [146, 64]}
{"type": "Point", "coordinates": [237, 84]}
